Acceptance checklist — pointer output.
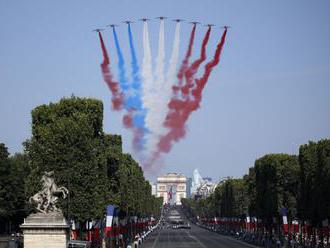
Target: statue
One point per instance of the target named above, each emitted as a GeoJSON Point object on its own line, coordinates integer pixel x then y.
{"type": "Point", "coordinates": [48, 197]}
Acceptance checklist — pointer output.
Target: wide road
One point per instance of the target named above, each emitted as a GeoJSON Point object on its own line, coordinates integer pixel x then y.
{"type": "Point", "coordinates": [190, 238]}
{"type": "Point", "coordinates": [194, 237]}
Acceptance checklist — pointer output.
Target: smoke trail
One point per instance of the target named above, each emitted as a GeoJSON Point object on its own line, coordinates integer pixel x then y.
{"type": "Point", "coordinates": [165, 89]}
{"type": "Point", "coordinates": [121, 65]}
{"type": "Point", "coordinates": [192, 70]}
{"type": "Point", "coordinates": [160, 60]}
{"type": "Point", "coordinates": [184, 65]}
{"type": "Point", "coordinates": [185, 61]}
{"type": "Point", "coordinates": [182, 109]}
{"type": "Point", "coordinates": [147, 87]}
{"type": "Point", "coordinates": [134, 100]}
{"type": "Point", "coordinates": [171, 74]}
{"type": "Point", "coordinates": [154, 118]}
{"type": "Point", "coordinates": [147, 69]}
{"type": "Point", "coordinates": [201, 82]}
{"type": "Point", "coordinates": [176, 117]}
{"type": "Point", "coordinates": [117, 97]}
{"type": "Point", "coordinates": [134, 119]}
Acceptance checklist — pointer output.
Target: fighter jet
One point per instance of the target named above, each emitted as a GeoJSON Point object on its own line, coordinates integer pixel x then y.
{"type": "Point", "coordinates": [128, 22]}
{"type": "Point", "coordinates": [98, 30]}
{"type": "Point", "coordinates": [112, 25]}
{"type": "Point", "coordinates": [178, 20]}
{"type": "Point", "coordinates": [161, 17]}
{"type": "Point", "coordinates": [144, 19]}
{"type": "Point", "coordinates": [195, 23]}
{"type": "Point", "coordinates": [226, 27]}
{"type": "Point", "coordinates": [209, 25]}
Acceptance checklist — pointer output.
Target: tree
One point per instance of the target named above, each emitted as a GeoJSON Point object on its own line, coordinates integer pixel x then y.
{"type": "Point", "coordinates": [314, 201]}
{"type": "Point", "coordinates": [13, 172]}
{"type": "Point", "coordinates": [5, 191]}
{"type": "Point", "coordinates": [68, 138]}
{"type": "Point", "coordinates": [230, 198]}
{"type": "Point", "coordinates": [276, 184]}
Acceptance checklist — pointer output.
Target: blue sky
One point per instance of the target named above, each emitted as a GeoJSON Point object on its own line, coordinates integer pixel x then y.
{"type": "Point", "coordinates": [270, 93]}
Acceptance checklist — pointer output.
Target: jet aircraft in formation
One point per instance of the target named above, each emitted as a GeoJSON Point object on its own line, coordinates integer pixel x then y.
{"type": "Point", "coordinates": [144, 19]}
{"type": "Point", "coordinates": [161, 17]}
{"type": "Point", "coordinates": [112, 25]}
{"type": "Point", "coordinates": [98, 30]}
{"type": "Point", "coordinates": [128, 22]}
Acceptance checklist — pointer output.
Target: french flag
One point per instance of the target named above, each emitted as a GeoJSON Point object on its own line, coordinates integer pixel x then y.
{"type": "Point", "coordinates": [285, 224]}
{"type": "Point", "coordinates": [170, 193]}
{"type": "Point", "coordinates": [109, 220]}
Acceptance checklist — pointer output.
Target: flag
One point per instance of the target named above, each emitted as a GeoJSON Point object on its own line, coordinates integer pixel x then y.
{"type": "Point", "coordinates": [109, 220]}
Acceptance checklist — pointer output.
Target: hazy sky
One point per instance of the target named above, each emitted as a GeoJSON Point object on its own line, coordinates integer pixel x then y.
{"type": "Point", "coordinates": [270, 93]}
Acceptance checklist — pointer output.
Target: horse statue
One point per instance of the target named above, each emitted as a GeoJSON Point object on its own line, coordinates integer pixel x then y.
{"type": "Point", "coordinates": [48, 197]}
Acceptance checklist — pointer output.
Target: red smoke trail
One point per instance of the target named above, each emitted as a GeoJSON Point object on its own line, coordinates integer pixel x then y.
{"type": "Point", "coordinates": [180, 110]}
{"type": "Point", "coordinates": [201, 82]}
{"type": "Point", "coordinates": [137, 132]}
{"type": "Point", "coordinates": [117, 97]}
{"type": "Point", "coordinates": [192, 70]}
{"type": "Point", "coordinates": [185, 61]}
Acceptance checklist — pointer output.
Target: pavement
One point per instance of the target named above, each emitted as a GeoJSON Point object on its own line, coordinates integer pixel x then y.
{"type": "Point", "coordinates": [191, 238]}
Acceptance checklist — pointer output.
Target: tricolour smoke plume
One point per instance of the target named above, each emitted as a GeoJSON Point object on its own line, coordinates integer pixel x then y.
{"type": "Point", "coordinates": [158, 104]}
{"type": "Point", "coordinates": [117, 97]}
{"type": "Point", "coordinates": [181, 109]}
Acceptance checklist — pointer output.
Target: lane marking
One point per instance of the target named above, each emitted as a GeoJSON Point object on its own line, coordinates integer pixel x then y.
{"type": "Point", "coordinates": [156, 240]}
{"type": "Point", "coordinates": [196, 239]}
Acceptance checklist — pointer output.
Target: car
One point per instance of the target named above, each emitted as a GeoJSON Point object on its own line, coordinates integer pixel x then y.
{"type": "Point", "coordinates": [79, 244]}
{"type": "Point", "coordinates": [185, 226]}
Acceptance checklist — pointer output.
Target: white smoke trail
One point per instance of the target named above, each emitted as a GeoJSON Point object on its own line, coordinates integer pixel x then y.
{"type": "Point", "coordinates": [171, 76]}
{"type": "Point", "coordinates": [154, 119]}
{"type": "Point", "coordinates": [147, 70]}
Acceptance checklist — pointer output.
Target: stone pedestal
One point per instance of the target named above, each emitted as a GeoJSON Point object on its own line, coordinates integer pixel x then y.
{"type": "Point", "coordinates": [45, 231]}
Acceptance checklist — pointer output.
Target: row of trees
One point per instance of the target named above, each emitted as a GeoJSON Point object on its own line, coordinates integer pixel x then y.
{"type": "Point", "coordinates": [277, 184]}
{"type": "Point", "coordinates": [68, 138]}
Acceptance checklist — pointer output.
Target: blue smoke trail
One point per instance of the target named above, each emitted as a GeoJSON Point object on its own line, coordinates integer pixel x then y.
{"type": "Point", "coordinates": [121, 66]}
{"type": "Point", "coordinates": [135, 100]}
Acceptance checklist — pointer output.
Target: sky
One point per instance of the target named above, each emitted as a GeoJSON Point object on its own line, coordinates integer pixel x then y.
{"type": "Point", "coordinates": [270, 93]}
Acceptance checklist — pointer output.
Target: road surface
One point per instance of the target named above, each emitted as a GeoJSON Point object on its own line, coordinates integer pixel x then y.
{"type": "Point", "coordinates": [191, 238]}
{"type": "Point", "coordinates": [195, 237]}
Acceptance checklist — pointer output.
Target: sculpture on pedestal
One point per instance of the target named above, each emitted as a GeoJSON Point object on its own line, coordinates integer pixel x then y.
{"type": "Point", "coordinates": [47, 198]}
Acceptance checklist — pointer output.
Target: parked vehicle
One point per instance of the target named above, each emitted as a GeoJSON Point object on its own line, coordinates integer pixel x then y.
{"type": "Point", "coordinates": [79, 244]}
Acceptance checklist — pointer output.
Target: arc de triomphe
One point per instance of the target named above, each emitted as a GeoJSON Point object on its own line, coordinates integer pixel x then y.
{"type": "Point", "coordinates": [172, 187]}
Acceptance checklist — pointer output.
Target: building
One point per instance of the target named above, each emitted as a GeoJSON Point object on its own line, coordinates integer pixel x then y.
{"type": "Point", "coordinates": [207, 179]}
{"type": "Point", "coordinates": [172, 187]}
{"type": "Point", "coordinates": [202, 187]}
{"type": "Point", "coordinates": [153, 189]}
{"type": "Point", "coordinates": [189, 186]}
